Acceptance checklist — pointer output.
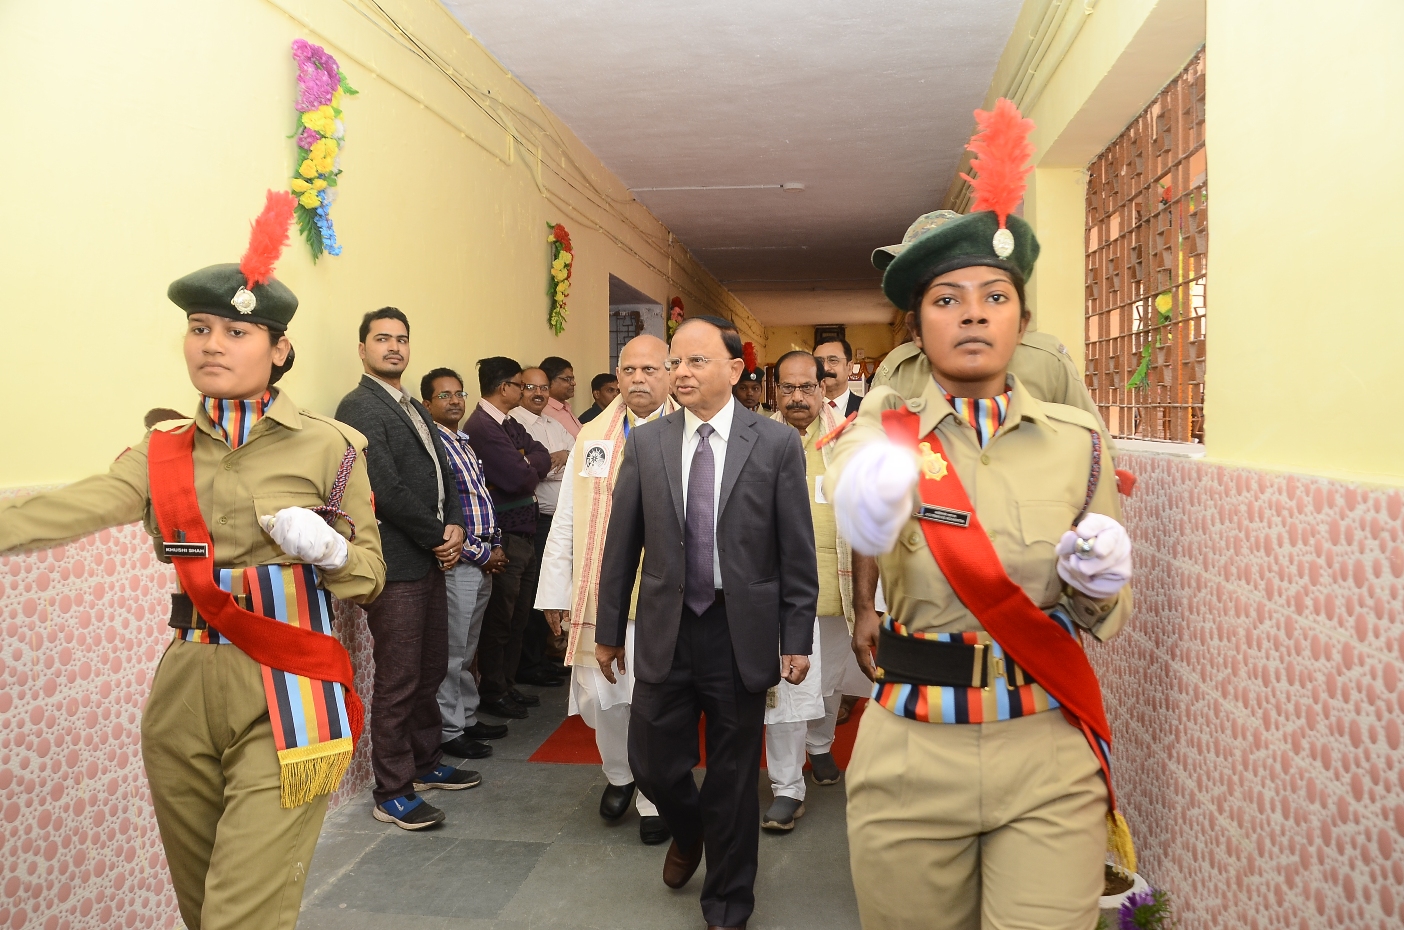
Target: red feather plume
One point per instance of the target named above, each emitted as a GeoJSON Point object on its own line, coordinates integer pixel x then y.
{"type": "Point", "coordinates": [269, 235]}
{"type": "Point", "coordinates": [1002, 153]}
{"type": "Point", "coordinates": [748, 355]}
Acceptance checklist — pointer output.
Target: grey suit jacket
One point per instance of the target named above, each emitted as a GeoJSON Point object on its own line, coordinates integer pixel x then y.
{"type": "Point", "coordinates": [765, 542]}
{"type": "Point", "coordinates": [402, 479]}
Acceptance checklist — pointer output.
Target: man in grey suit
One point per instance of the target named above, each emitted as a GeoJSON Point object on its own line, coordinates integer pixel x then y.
{"type": "Point", "coordinates": [714, 497]}
{"type": "Point", "coordinates": [421, 533]}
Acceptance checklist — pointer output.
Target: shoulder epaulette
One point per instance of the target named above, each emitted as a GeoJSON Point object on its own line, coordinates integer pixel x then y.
{"type": "Point", "coordinates": [1074, 415]}
{"type": "Point", "coordinates": [173, 426]}
{"type": "Point", "coordinates": [352, 435]}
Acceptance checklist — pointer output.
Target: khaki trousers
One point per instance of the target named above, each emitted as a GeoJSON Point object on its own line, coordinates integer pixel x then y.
{"type": "Point", "coordinates": [1000, 826]}
{"type": "Point", "coordinates": [238, 860]}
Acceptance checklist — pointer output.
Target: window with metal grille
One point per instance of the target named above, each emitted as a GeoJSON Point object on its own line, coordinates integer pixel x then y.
{"type": "Point", "coordinates": [623, 326]}
{"type": "Point", "coordinates": [1147, 242]}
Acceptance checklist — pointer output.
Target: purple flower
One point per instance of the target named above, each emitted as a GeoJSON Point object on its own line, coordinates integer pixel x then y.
{"type": "Point", "coordinates": [317, 75]}
{"type": "Point", "coordinates": [308, 138]}
{"type": "Point", "coordinates": [1126, 917]}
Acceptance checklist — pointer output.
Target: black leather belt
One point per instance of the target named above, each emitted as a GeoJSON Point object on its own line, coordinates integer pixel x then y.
{"type": "Point", "coordinates": [183, 616]}
{"type": "Point", "coordinates": [914, 661]}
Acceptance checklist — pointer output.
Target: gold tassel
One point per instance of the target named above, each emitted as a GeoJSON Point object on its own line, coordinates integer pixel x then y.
{"type": "Point", "coordinates": [308, 772]}
{"type": "Point", "coordinates": [1119, 842]}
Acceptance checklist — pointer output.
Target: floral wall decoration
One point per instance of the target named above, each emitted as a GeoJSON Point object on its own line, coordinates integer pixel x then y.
{"type": "Point", "coordinates": [558, 286]}
{"type": "Point", "coordinates": [320, 136]}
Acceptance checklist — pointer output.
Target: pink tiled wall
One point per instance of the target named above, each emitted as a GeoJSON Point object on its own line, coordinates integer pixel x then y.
{"type": "Point", "coordinates": [81, 629]}
{"type": "Point", "coordinates": [1256, 700]}
{"type": "Point", "coordinates": [1256, 703]}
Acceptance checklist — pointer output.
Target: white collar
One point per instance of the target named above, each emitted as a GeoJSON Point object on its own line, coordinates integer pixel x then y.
{"type": "Point", "coordinates": [492, 411]}
{"type": "Point", "coordinates": [721, 421]}
{"type": "Point", "coordinates": [524, 416]}
{"type": "Point", "coordinates": [841, 402]}
{"type": "Point", "coordinates": [637, 420]}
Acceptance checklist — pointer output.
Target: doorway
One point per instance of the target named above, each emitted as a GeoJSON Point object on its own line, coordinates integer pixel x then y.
{"type": "Point", "coordinates": [631, 313]}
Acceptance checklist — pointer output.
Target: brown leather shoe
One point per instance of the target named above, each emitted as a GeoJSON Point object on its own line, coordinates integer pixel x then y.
{"type": "Point", "coordinates": [678, 866]}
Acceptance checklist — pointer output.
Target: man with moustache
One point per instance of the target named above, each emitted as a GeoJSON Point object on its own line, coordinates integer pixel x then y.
{"type": "Point", "coordinates": [421, 531]}
{"type": "Point", "coordinates": [836, 358]}
{"type": "Point", "coordinates": [802, 717]}
{"type": "Point", "coordinates": [570, 571]}
{"type": "Point", "coordinates": [469, 583]}
{"type": "Point", "coordinates": [713, 499]}
{"type": "Point", "coordinates": [533, 668]}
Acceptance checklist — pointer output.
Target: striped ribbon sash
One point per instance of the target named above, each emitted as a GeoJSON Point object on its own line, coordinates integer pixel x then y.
{"type": "Point", "coordinates": [311, 728]}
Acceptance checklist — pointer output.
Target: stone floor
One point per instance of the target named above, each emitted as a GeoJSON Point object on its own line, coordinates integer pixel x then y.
{"type": "Point", "coordinates": [528, 850]}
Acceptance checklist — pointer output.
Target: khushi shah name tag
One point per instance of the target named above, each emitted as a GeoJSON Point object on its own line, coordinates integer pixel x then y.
{"type": "Point", "coordinates": [598, 453]}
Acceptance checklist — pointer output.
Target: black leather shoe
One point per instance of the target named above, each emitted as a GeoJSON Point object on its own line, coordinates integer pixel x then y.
{"type": "Point", "coordinates": [614, 803]}
{"type": "Point", "coordinates": [482, 730]}
{"type": "Point", "coordinates": [505, 708]}
{"type": "Point", "coordinates": [464, 748]}
{"type": "Point", "coordinates": [654, 830]}
{"type": "Point", "coordinates": [525, 700]}
{"type": "Point", "coordinates": [541, 680]}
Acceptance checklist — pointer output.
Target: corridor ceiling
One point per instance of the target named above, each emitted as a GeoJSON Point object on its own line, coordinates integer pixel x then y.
{"type": "Point", "coordinates": [866, 104]}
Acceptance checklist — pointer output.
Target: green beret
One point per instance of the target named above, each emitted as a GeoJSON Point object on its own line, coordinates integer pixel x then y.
{"type": "Point", "coordinates": [753, 374]}
{"type": "Point", "coordinates": [222, 291]}
{"type": "Point", "coordinates": [958, 243]}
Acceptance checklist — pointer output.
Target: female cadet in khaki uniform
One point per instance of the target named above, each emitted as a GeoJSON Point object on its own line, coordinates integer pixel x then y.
{"type": "Point", "coordinates": [973, 801]}
{"type": "Point", "coordinates": [240, 792]}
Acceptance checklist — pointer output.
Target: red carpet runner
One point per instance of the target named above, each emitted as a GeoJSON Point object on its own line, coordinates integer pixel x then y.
{"type": "Point", "coordinates": [573, 743]}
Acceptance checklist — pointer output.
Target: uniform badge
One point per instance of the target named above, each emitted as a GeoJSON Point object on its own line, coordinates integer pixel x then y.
{"type": "Point", "coordinates": [244, 301]}
{"type": "Point", "coordinates": [597, 456]}
{"type": "Point", "coordinates": [933, 465]}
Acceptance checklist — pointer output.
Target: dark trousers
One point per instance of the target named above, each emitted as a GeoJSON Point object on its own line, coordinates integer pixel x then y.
{"type": "Point", "coordinates": [704, 679]}
{"type": "Point", "coordinates": [536, 632]}
{"type": "Point", "coordinates": [409, 625]}
{"type": "Point", "coordinates": [501, 642]}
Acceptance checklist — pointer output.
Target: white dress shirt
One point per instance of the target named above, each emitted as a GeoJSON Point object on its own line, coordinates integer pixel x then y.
{"type": "Point", "coordinates": [721, 423]}
{"type": "Point", "coordinates": [556, 438]}
{"type": "Point", "coordinates": [840, 402]}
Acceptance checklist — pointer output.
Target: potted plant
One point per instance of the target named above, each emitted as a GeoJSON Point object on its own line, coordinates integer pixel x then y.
{"type": "Point", "coordinates": [1130, 903]}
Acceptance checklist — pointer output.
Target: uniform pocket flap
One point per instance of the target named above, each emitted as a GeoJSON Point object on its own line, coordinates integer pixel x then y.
{"type": "Point", "coordinates": [1045, 521]}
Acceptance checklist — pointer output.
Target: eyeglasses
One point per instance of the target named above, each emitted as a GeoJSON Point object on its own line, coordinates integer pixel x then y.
{"type": "Point", "coordinates": [694, 362]}
{"type": "Point", "coordinates": [565, 379]}
{"type": "Point", "coordinates": [445, 395]}
{"type": "Point", "coordinates": [516, 384]}
{"type": "Point", "coordinates": [536, 388]}
{"type": "Point", "coordinates": [807, 389]}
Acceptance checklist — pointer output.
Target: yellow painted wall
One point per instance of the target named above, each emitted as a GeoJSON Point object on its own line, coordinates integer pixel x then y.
{"type": "Point", "coordinates": [1305, 130]}
{"type": "Point", "coordinates": [139, 139]}
{"type": "Point", "coordinates": [874, 338]}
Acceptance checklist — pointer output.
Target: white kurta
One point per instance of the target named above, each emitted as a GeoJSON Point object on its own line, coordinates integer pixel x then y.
{"type": "Point", "coordinates": [804, 701]}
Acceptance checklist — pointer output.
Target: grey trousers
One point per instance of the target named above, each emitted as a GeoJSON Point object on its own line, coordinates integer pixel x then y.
{"type": "Point", "coordinates": [468, 590]}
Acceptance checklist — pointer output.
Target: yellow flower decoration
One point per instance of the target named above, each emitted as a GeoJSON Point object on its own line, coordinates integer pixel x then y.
{"type": "Point", "coordinates": [321, 120]}
{"type": "Point", "coordinates": [307, 169]}
{"type": "Point", "coordinates": [299, 186]}
{"type": "Point", "coordinates": [310, 200]}
{"type": "Point", "coordinates": [319, 185]}
{"type": "Point", "coordinates": [336, 99]}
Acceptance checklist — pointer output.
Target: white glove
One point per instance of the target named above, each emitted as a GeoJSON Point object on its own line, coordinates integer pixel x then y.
{"type": "Point", "coordinates": [1106, 568]}
{"type": "Point", "coordinates": [873, 498]}
{"type": "Point", "coordinates": [304, 535]}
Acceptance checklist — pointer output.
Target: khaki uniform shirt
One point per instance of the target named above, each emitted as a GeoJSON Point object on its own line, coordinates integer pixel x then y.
{"type": "Point", "coordinates": [1040, 361]}
{"type": "Point", "coordinates": [290, 459]}
{"type": "Point", "coordinates": [1027, 486]}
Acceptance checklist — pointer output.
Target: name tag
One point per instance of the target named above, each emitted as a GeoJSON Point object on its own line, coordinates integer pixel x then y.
{"type": "Point", "coordinates": [819, 497]}
{"type": "Point", "coordinates": [186, 550]}
{"type": "Point", "coordinates": [944, 515]}
{"type": "Point", "coordinates": [597, 455]}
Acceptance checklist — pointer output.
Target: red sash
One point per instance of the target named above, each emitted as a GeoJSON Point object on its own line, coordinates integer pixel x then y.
{"type": "Point", "coordinates": [1030, 637]}
{"type": "Point", "coordinates": [171, 464]}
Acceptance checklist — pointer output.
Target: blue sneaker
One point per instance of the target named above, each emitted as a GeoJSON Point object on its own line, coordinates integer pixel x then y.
{"type": "Point", "coordinates": [446, 776]}
{"type": "Point", "coordinates": [409, 812]}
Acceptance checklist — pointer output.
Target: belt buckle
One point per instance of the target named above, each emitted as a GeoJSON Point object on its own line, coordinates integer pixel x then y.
{"type": "Point", "coordinates": [997, 669]}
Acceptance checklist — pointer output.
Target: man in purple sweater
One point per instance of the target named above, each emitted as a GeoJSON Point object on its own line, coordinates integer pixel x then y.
{"type": "Point", "coordinates": [513, 463]}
